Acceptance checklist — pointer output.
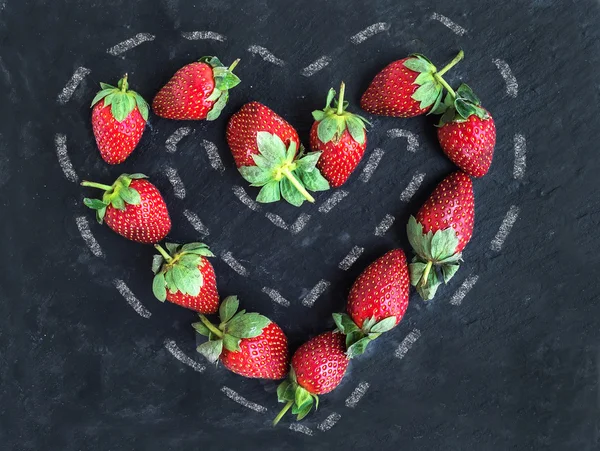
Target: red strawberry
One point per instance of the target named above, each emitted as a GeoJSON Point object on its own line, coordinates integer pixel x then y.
{"type": "Point", "coordinates": [248, 344]}
{"type": "Point", "coordinates": [439, 233]}
{"type": "Point", "coordinates": [341, 137]}
{"type": "Point", "coordinates": [184, 276]}
{"type": "Point", "coordinates": [318, 367]}
{"type": "Point", "coordinates": [467, 132]}
{"type": "Point", "coordinates": [118, 129]}
{"type": "Point", "coordinates": [407, 87]}
{"type": "Point", "coordinates": [198, 90]}
{"type": "Point", "coordinates": [132, 207]}
{"type": "Point", "coordinates": [256, 134]}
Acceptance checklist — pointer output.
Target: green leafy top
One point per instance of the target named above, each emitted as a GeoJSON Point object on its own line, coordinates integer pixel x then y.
{"type": "Point", "coordinates": [357, 338]}
{"type": "Point", "coordinates": [280, 172]}
{"type": "Point", "coordinates": [177, 269]}
{"type": "Point", "coordinates": [295, 396]}
{"type": "Point", "coordinates": [118, 195]}
{"type": "Point", "coordinates": [233, 327]}
{"type": "Point", "coordinates": [460, 106]}
{"type": "Point", "coordinates": [121, 99]}
{"type": "Point", "coordinates": [225, 79]}
{"type": "Point", "coordinates": [334, 120]}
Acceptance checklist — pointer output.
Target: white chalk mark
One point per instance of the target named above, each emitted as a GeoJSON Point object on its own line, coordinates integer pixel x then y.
{"type": "Point", "coordinates": [413, 141]}
{"type": "Point", "coordinates": [301, 428]}
{"type": "Point", "coordinates": [372, 30]}
{"type": "Point", "coordinates": [300, 223]}
{"type": "Point", "coordinates": [357, 394]}
{"type": "Point", "coordinates": [175, 180]}
{"type": "Point", "coordinates": [196, 223]}
{"type": "Point", "coordinates": [384, 225]}
{"type": "Point", "coordinates": [372, 164]}
{"type": "Point", "coordinates": [329, 422]}
{"type": "Point", "coordinates": [234, 264]}
{"type": "Point", "coordinates": [86, 234]}
{"type": "Point", "coordinates": [407, 343]}
{"type": "Point", "coordinates": [507, 224]}
{"type": "Point", "coordinates": [179, 355]}
{"type": "Point", "coordinates": [177, 136]}
{"type": "Point", "coordinates": [243, 401]}
{"type": "Point", "coordinates": [333, 200]}
{"type": "Point", "coordinates": [512, 87]}
{"type": "Point", "coordinates": [130, 43]}
{"type": "Point", "coordinates": [131, 299]}
{"type": "Point", "coordinates": [316, 66]}
{"type": "Point", "coordinates": [276, 296]}
{"type": "Point", "coordinates": [453, 26]}
{"type": "Point", "coordinates": [201, 35]}
{"type": "Point", "coordinates": [265, 55]}
{"type": "Point", "coordinates": [213, 155]}
{"type": "Point", "coordinates": [464, 288]}
{"type": "Point", "coordinates": [520, 156]}
{"type": "Point", "coordinates": [316, 291]}
{"type": "Point", "coordinates": [60, 141]}
{"type": "Point", "coordinates": [241, 194]}
{"type": "Point", "coordinates": [79, 74]}
{"type": "Point", "coordinates": [277, 220]}
{"type": "Point", "coordinates": [412, 187]}
{"type": "Point", "coordinates": [351, 258]}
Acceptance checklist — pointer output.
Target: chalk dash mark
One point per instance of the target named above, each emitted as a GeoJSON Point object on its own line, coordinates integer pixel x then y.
{"type": "Point", "coordinates": [177, 136]}
{"type": "Point", "coordinates": [450, 24]}
{"type": "Point", "coordinates": [463, 290]}
{"type": "Point", "coordinates": [351, 258]}
{"type": "Point", "coordinates": [520, 156]}
{"type": "Point", "coordinates": [412, 187]}
{"type": "Point", "coordinates": [76, 79]}
{"type": "Point", "coordinates": [266, 55]}
{"type": "Point", "coordinates": [241, 194]}
{"type": "Point", "coordinates": [176, 182]}
{"type": "Point", "coordinates": [301, 428]}
{"type": "Point", "coordinates": [316, 66]}
{"type": "Point", "coordinates": [60, 142]}
{"type": "Point", "coordinates": [85, 232]}
{"type": "Point", "coordinates": [130, 43]}
{"type": "Point", "coordinates": [507, 224]}
{"type": "Point", "coordinates": [512, 87]}
{"type": "Point", "coordinates": [372, 163]}
{"type": "Point", "coordinates": [368, 32]}
{"type": "Point", "coordinates": [276, 296]}
{"type": "Point", "coordinates": [407, 343]}
{"type": "Point", "coordinates": [315, 292]}
{"type": "Point", "coordinates": [384, 225]}
{"type": "Point", "coordinates": [203, 35]}
{"type": "Point", "coordinates": [172, 347]}
{"type": "Point", "coordinates": [131, 299]}
{"type": "Point", "coordinates": [413, 141]}
{"type": "Point", "coordinates": [329, 422]}
{"type": "Point", "coordinates": [357, 394]}
{"type": "Point", "coordinates": [196, 223]}
{"type": "Point", "coordinates": [234, 264]}
{"type": "Point", "coordinates": [231, 394]}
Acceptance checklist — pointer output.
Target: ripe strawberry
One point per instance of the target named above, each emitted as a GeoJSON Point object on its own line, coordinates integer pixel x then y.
{"type": "Point", "coordinates": [264, 147]}
{"type": "Point", "coordinates": [407, 87]}
{"type": "Point", "coordinates": [184, 276]}
{"type": "Point", "coordinates": [198, 90]}
{"type": "Point", "coordinates": [132, 207]}
{"type": "Point", "coordinates": [318, 367]}
{"type": "Point", "coordinates": [467, 132]}
{"type": "Point", "coordinates": [341, 137]}
{"type": "Point", "coordinates": [377, 302]}
{"type": "Point", "coordinates": [248, 344]}
{"type": "Point", "coordinates": [440, 232]}
{"type": "Point", "coordinates": [118, 129]}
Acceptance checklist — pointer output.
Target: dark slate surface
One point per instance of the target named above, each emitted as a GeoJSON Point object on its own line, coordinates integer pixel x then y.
{"type": "Point", "coordinates": [515, 366]}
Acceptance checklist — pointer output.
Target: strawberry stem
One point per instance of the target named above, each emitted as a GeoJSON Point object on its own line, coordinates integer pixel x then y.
{"type": "Point", "coordinates": [123, 83]}
{"type": "Point", "coordinates": [282, 412]}
{"type": "Point", "coordinates": [96, 185]}
{"type": "Point", "coordinates": [425, 275]}
{"type": "Point", "coordinates": [235, 63]}
{"type": "Point", "coordinates": [452, 63]}
{"type": "Point", "coordinates": [298, 185]}
{"type": "Point", "coordinates": [210, 326]}
{"type": "Point", "coordinates": [340, 107]}
{"type": "Point", "coordinates": [445, 85]}
{"type": "Point", "coordinates": [164, 253]}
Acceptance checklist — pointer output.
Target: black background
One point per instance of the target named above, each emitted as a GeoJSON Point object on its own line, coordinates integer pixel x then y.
{"type": "Point", "coordinates": [516, 366]}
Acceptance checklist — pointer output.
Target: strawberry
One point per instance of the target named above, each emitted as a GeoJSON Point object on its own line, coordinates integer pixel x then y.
{"type": "Point", "coordinates": [264, 147]}
{"type": "Point", "coordinates": [318, 367]}
{"type": "Point", "coordinates": [340, 136]}
{"type": "Point", "coordinates": [184, 276]}
{"type": "Point", "coordinates": [440, 232]}
{"type": "Point", "coordinates": [198, 90]}
{"type": "Point", "coordinates": [377, 302]}
{"type": "Point", "coordinates": [466, 131]}
{"type": "Point", "coordinates": [118, 129]}
{"type": "Point", "coordinates": [407, 87]}
{"type": "Point", "coordinates": [247, 344]}
{"type": "Point", "coordinates": [132, 207]}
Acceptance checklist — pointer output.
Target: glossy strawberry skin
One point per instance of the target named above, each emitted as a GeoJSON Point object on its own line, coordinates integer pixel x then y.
{"type": "Point", "coordinates": [470, 144]}
{"type": "Point", "coordinates": [450, 205]}
{"type": "Point", "coordinates": [321, 362]}
{"type": "Point", "coordinates": [381, 290]}
{"type": "Point", "coordinates": [185, 95]}
{"type": "Point", "coordinates": [243, 126]}
{"type": "Point", "coordinates": [116, 140]}
{"type": "Point", "coordinates": [207, 301]}
{"type": "Point", "coordinates": [264, 357]}
{"type": "Point", "coordinates": [390, 92]}
{"type": "Point", "coordinates": [147, 222]}
{"type": "Point", "coordinates": [339, 158]}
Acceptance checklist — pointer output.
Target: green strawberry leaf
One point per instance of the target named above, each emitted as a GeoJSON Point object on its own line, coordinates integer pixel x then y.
{"type": "Point", "coordinates": [191, 261]}
{"type": "Point", "coordinates": [454, 258]}
{"type": "Point", "coordinates": [424, 77]}
{"type": "Point", "coordinates": [141, 104]}
{"type": "Point", "coordinates": [102, 94]}
{"type": "Point", "coordinates": [443, 244]}
{"type": "Point", "coordinates": [418, 65]}
{"type": "Point", "coordinates": [302, 397]}
{"type": "Point", "coordinates": [118, 203]}
{"type": "Point", "coordinates": [94, 204]}
{"type": "Point", "coordinates": [159, 287]}
{"type": "Point", "coordinates": [353, 337]}
{"type": "Point", "coordinates": [308, 162]}
{"type": "Point", "coordinates": [212, 61]}
{"type": "Point", "coordinates": [356, 128]}
{"type": "Point", "coordinates": [344, 323]}
{"type": "Point", "coordinates": [130, 196]}
{"type": "Point", "coordinates": [448, 271]}
{"type": "Point", "coordinates": [290, 153]}
{"type": "Point", "coordinates": [269, 193]}
{"type": "Point", "coordinates": [157, 261]}
{"type": "Point", "coordinates": [228, 308]}
{"type": "Point", "coordinates": [414, 230]}
{"type": "Point", "coordinates": [327, 129]}
{"type": "Point", "coordinates": [368, 324]}
{"type": "Point", "coordinates": [466, 93]}
{"type": "Point", "coordinates": [120, 107]}
{"type": "Point", "coordinates": [211, 350]}
{"type": "Point", "coordinates": [427, 94]}
{"type": "Point", "coordinates": [214, 95]}
{"type": "Point", "coordinates": [226, 80]}
{"type": "Point", "coordinates": [448, 116]}
{"type": "Point", "coordinates": [231, 343]}
{"type": "Point", "coordinates": [216, 109]}
{"type": "Point", "coordinates": [416, 270]}
{"type": "Point", "coordinates": [302, 412]}
{"type": "Point", "coordinates": [107, 86]}
{"type": "Point", "coordinates": [170, 282]}
{"type": "Point", "coordinates": [427, 291]}
{"type": "Point", "coordinates": [248, 325]}
{"type": "Point", "coordinates": [384, 325]}
{"type": "Point", "coordinates": [313, 180]}
{"type": "Point", "coordinates": [285, 391]}
{"type": "Point", "coordinates": [290, 193]}
{"type": "Point", "coordinates": [464, 109]}
{"type": "Point", "coordinates": [358, 348]}
{"type": "Point", "coordinates": [257, 176]}
{"type": "Point", "coordinates": [137, 176]}
{"type": "Point", "coordinates": [438, 106]}
{"type": "Point", "coordinates": [318, 115]}
{"type": "Point", "coordinates": [271, 147]}
{"type": "Point", "coordinates": [201, 329]}
{"type": "Point", "coordinates": [172, 248]}
{"type": "Point", "coordinates": [193, 246]}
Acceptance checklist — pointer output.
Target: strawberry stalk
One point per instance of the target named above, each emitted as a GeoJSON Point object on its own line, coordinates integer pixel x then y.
{"type": "Point", "coordinates": [425, 275]}
{"type": "Point", "coordinates": [282, 412]}
{"type": "Point", "coordinates": [232, 66]}
{"type": "Point", "coordinates": [96, 185]}
{"type": "Point", "coordinates": [210, 326]}
{"type": "Point", "coordinates": [164, 253]}
{"type": "Point", "coordinates": [294, 181]}
{"type": "Point", "coordinates": [340, 107]}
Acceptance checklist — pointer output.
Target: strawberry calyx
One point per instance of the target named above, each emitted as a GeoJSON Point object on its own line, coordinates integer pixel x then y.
{"type": "Point", "coordinates": [334, 120]}
{"type": "Point", "coordinates": [225, 79]}
{"type": "Point", "coordinates": [435, 253]}
{"type": "Point", "coordinates": [296, 397]}
{"type": "Point", "coordinates": [118, 195]}
{"type": "Point", "coordinates": [459, 106]}
{"type": "Point", "coordinates": [358, 338]}
{"type": "Point", "coordinates": [121, 99]}
{"type": "Point", "coordinates": [234, 325]}
{"type": "Point", "coordinates": [281, 172]}
{"type": "Point", "coordinates": [177, 269]}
